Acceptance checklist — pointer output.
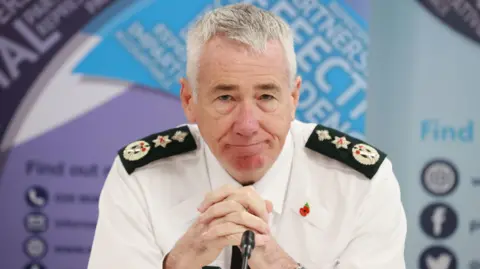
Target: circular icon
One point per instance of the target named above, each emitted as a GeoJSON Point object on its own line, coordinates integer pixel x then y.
{"type": "Point", "coordinates": [365, 154]}
{"type": "Point", "coordinates": [439, 177]}
{"type": "Point", "coordinates": [36, 222]}
{"type": "Point", "coordinates": [136, 150]}
{"type": "Point", "coordinates": [437, 257]}
{"type": "Point", "coordinates": [36, 197]}
{"type": "Point", "coordinates": [439, 220]}
{"type": "Point", "coordinates": [35, 248]}
{"type": "Point", "coordinates": [34, 266]}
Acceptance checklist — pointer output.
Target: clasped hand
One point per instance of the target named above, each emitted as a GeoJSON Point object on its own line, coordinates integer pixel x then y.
{"type": "Point", "coordinates": [226, 214]}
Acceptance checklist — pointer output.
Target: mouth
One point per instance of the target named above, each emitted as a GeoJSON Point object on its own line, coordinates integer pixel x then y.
{"type": "Point", "coordinates": [244, 145]}
{"type": "Point", "coordinates": [246, 150]}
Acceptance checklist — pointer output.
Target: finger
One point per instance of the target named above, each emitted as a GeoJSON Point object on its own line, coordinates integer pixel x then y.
{"type": "Point", "coordinates": [220, 210]}
{"type": "Point", "coordinates": [223, 229]}
{"type": "Point", "coordinates": [269, 206]}
{"type": "Point", "coordinates": [230, 234]}
{"type": "Point", "coordinates": [245, 219]}
{"type": "Point", "coordinates": [251, 200]}
{"type": "Point", "coordinates": [216, 196]}
{"type": "Point", "coordinates": [236, 240]}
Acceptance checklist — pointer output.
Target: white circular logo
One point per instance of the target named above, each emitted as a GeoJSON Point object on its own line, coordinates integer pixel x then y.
{"type": "Point", "coordinates": [136, 150]}
{"type": "Point", "coordinates": [439, 177]}
{"type": "Point", "coordinates": [35, 248]}
{"type": "Point", "coordinates": [365, 154]}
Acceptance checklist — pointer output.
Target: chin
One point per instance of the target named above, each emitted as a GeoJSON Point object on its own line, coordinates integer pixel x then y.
{"type": "Point", "coordinates": [250, 163]}
{"type": "Point", "coordinates": [248, 170]}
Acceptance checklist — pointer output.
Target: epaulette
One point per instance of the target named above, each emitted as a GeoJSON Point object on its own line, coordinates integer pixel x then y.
{"type": "Point", "coordinates": [353, 152]}
{"type": "Point", "coordinates": [157, 146]}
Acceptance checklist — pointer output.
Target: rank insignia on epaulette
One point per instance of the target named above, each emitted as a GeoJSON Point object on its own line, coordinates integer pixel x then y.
{"type": "Point", "coordinates": [344, 148]}
{"type": "Point", "coordinates": [157, 146]}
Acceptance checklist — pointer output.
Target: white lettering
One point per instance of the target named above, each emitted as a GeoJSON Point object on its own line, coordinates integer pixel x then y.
{"type": "Point", "coordinates": [10, 8]}
{"type": "Point", "coordinates": [327, 65]}
{"type": "Point", "coordinates": [309, 51]}
{"type": "Point", "coordinates": [15, 5]}
{"type": "Point", "coordinates": [13, 54]}
{"type": "Point", "coordinates": [357, 85]}
{"type": "Point", "coordinates": [359, 110]}
{"type": "Point", "coordinates": [5, 15]}
{"type": "Point", "coordinates": [41, 46]}
{"type": "Point", "coordinates": [297, 26]}
{"type": "Point", "coordinates": [307, 6]}
{"type": "Point", "coordinates": [263, 3]}
{"type": "Point", "coordinates": [93, 6]}
{"type": "Point", "coordinates": [329, 27]}
{"type": "Point", "coordinates": [283, 6]}
{"type": "Point", "coordinates": [343, 35]}
{"type": "Point", "coordinates": [319, 110]}
{"type": "Point", "coordinates": [354, 48]}
{"type": "Point", "coordinates": [310, 91]}
{"type": "Point", "coordinates": [37, 11]}
{"type": "Point", "coordinates": [4, 81]}
{"type": "Point", "coordinates": [323, 13]}
{"type": "Point", "coordinates": [166, 36]}
{"type": "Point", "coordinates": [168, 61]}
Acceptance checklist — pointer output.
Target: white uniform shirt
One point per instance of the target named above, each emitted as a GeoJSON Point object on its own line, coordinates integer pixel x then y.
{"type": "Point", "coordinates": [356, 218]}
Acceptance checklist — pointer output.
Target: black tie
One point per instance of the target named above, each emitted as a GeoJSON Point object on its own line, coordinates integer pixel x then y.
{"type": "Point", "coordinates": [236, 262]}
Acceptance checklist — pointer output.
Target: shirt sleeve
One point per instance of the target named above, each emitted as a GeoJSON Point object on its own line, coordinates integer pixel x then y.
{"type": "Point", "coordinates": [124, 237]}
{"type": "Point", "coordinates": [381, 228]}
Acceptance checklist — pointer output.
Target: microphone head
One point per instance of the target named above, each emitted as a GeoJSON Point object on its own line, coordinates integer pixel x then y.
{"type": "Point", "coordinates": [248, 240]}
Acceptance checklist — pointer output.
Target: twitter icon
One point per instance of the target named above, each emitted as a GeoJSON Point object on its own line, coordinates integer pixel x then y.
{"type": "Point", "coordinates": [437, 257]}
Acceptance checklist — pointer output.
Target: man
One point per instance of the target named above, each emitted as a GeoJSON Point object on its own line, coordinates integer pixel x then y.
{"type": "Point", "coordinates": [182, 198]}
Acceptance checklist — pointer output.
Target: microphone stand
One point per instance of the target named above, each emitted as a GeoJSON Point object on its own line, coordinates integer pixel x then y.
{"type": "Point", "coordinates": [247, 246]}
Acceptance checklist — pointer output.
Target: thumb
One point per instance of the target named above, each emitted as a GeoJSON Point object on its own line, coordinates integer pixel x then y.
{"type": "Point", "coordinates": [269, 206]}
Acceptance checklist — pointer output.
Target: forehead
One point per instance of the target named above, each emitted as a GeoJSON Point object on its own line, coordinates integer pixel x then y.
{"type": "Point", "coordinates": [223, 55]}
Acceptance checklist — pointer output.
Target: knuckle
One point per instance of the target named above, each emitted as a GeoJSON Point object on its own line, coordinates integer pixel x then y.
{"type": "Point", "coordinates": [208, 195]}
{"type": "Point", "coordinates": [216, 229]}
{"type": "Point", "coordinates": [232, 203]}
{"type": "Point", "coordinates": [213, 210]}
{"type": "Point", "coordinates": [244, 216]}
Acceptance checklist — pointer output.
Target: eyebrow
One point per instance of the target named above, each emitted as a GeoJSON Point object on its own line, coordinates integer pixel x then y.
{"type": "Point", "coordinates": [225, 87]}
{"type": "Point", "coordinates": [268, 87]}
{"type": "Point", "coordinates": [232, 87]}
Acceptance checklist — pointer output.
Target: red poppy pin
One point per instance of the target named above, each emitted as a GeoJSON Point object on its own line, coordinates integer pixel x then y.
{"type": "Point", "coordinates": [305, 210]}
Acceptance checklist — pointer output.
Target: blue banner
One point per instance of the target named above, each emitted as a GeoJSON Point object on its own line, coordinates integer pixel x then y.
{"type": "Point", "coordinates": [147, 44]}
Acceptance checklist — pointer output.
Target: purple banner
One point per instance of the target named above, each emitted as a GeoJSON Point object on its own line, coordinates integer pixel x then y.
{"type": "Point", "coordinates": [31, 33]}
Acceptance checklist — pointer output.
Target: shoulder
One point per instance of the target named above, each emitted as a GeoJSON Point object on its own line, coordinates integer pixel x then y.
{"type": "Point", "coordinates": [354, 153]}
{"type": "Point", "coordinates": [157, 146]}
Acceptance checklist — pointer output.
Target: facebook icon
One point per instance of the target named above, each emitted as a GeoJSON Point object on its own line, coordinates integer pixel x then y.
{"type": "Point", "coordinates": [439, 220]}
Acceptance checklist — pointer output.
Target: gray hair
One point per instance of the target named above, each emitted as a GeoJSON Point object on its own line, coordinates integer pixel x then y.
{"type": "Point", "coordinates": [244, 23]}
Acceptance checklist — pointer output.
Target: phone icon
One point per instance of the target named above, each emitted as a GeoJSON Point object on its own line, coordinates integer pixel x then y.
{"type": "Point", "coordinates": [34, 266]}
{"type": "Point", "coordinates": [36, 197]}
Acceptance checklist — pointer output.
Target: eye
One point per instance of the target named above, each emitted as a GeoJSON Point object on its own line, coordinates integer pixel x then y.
{"type": "Point", "coordinates": [225, 98]}
{"type": "Point", "coordinates": [266, 97]}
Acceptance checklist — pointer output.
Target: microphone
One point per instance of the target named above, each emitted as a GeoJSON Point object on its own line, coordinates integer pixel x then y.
{"type": "Point", "coordinates": [246, 246]}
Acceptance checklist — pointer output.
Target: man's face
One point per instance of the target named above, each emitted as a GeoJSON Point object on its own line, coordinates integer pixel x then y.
{"type": "Point", "coordinates": [245, 105]}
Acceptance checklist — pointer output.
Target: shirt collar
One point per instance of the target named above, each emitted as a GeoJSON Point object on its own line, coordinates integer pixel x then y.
{"type": "Point", "coordinates": [272, 186]}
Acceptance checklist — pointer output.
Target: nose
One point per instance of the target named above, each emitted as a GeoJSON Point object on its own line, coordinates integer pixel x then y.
{"type": "Point", "coordinates": [246, 122]}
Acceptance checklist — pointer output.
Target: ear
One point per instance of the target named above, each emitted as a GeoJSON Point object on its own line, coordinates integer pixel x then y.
{"type": "Point", "coordinates": [295, 95]}
{"type": "Point", "coordinates": [187, 99]}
